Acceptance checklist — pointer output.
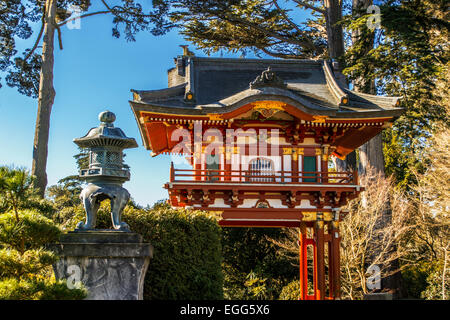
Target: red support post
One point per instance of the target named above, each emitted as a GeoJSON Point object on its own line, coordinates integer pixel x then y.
{"type": "Point", "coordinates": [355, 177]}
{"type": "Point", "coordinates": [335, 254]}
{"type": "Point", "coordinates": [172, 172]}
{"type": "Point", "coordinates": [303, 257]}
{"type": "Point", "coordinates": [320, 263]}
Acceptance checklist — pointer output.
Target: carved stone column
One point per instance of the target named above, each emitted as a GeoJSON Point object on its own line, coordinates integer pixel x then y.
{"type": "Point", "coordinates": [110, 264]}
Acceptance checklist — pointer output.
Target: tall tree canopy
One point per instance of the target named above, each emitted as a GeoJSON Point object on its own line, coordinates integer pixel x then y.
{"type": "Point", "coordinates": [409, 58]}
{"type": "Point", "coordinates": [405, 54]}
{"type": "Point", "coordinates": [271, 27]}
{"type": "Point", "coordinates": [31, 71]}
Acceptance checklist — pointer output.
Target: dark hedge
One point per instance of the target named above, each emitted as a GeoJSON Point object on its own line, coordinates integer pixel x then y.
{"type": "Point", "coordinates": [187, 255]}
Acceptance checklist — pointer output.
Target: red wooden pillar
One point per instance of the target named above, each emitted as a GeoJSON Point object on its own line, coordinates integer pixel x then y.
{"type": "Point", "coordinates": [324, 169]}
{"type": "Point", "coordinates": [335, 278]}
{"type": "Point", "coordinates": [319, 261]}
{"type": "Point", "coordinates": [198, 168]}
{"type": "Point", "coordinates": [228, 157]}
{"type": "Point", "coordinates": [303, 256]}
{"type": "Point", "coordinates": [172, 172]}
{"type": "Point", "coordinates": [328, 244]}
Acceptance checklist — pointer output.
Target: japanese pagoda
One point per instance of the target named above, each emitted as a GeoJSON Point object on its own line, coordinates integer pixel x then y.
{"type": "Point", "coordinates": [257, 135]}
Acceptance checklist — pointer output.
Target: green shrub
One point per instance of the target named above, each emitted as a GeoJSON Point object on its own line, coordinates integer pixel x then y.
{"type": "Point", "coordinates": [16, 289]}
{"type": "Point", "coordinates": [14, 264]}
{"type": "Point", "coordinates": [414, 279]}
{"type": "Point", "coordinates": [248, 252]}
{"type": "Point", "coordinates": [25, 266]}
{"type": "Point", "coordinates": [291, 291]}
{"type": "Point", "coordinates": [59, 290]}
{"type": "Point", "coordinates": [187, 257]}
{"type": "Point", "coordinates": [31, 231]}
{"type": "Point", "coordinates": [38, 289]}
{"type": "Point", "coordinates": [437, 289]}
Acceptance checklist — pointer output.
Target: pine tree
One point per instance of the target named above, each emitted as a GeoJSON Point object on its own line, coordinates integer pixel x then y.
{"type": "Point", "coordinates": [32, 72]}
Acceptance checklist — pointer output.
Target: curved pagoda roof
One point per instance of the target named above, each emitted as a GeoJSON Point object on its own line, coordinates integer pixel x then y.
{"type": "Point", "coordinates": [219, 85]}
{"type": "Point", "coordinates": [219, 89]}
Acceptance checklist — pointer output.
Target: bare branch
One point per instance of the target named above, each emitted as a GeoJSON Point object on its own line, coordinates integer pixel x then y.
{"type": "Point", "coordinates": [59, 36]}
{"type": "Point", "coordinates": [36, 43]}
{"type": "Point", "coordinates": [106, 5]}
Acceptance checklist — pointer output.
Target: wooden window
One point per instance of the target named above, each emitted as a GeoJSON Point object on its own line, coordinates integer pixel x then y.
{"type": "Point", "coordinates": [261, 170]}
{"type": "Point", "coordinates": [309, 165]}
{"type": "Point", "coordinates": [213, 163]}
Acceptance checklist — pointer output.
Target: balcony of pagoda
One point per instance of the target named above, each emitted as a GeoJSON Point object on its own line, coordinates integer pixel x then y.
{"type": "Point", "coordinates": [233, 191]}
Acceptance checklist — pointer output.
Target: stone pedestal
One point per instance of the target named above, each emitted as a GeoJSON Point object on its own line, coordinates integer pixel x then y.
{"type": "Point", "coordinates": [379, 296]}
{"type": "Point", "coordinates": [110, 264]}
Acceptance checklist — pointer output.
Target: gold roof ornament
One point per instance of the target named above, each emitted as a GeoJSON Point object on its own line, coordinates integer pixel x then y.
{"type": "Point", "coordinates": [267, 108]}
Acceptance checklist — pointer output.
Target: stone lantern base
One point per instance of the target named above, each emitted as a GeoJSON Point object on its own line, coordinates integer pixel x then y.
{"type": "Point", "coordinates": [110, 264]}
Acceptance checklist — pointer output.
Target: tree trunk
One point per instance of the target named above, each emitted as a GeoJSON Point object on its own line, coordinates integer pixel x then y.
{"type": "Point", "coordinates": [45, 102]}
{"type": "Point", "coordinates": [335, 36]}
{"type": "Point", "coordinates": [371, 153]}
{"type": "Point", "coordinates": [336, 49]}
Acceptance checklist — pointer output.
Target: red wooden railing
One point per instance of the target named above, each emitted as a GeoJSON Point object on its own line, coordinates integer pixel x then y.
{"type": "Point", "coordinates": [249, 176]}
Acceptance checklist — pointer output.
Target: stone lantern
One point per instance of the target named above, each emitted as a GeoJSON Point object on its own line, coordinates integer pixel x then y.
{"type": "Point", "coordinates": [111, 264]}
{"type": "Point", "coordinates": [106, 172]}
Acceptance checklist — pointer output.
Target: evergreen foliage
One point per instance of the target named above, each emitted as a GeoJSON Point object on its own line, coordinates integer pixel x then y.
{"type": "Point", "coordinates": [252, 266]}
{"type": "Point", "coordinates": [25, 264]}
{"type": "Point", "coordinates": [410, 58]}
{"type": "Point", "coordinates": [31, 231]}
{"type": "Point", "coordinates": [270, 27]}
{"type": "Point", "coordinates": [291, 291]}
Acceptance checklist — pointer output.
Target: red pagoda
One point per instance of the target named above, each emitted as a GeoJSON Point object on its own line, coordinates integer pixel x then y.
{"type": "Point", "coordinates": [257, 135]}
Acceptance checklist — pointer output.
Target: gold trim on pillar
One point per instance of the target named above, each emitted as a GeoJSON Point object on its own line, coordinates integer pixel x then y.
{"type": "Point", "coordinates": [309, 216]}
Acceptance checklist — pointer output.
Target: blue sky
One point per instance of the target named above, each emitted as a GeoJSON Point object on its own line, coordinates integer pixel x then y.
{"type": "Point", "coordinates": [93, 72]}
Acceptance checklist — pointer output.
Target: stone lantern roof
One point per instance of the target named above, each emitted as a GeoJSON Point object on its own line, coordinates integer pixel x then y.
{"type": "Point", "coordinates": [106, 134]}
{"type": "Point", "coordinates": [105, 144]}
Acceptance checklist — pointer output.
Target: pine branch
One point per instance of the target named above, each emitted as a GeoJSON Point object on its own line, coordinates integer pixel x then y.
{"type": "Point", "coordinates": [308, 44]}
{"type": "Point", "coordinates": [285, 16]}
{"type": "Point", "coordinates": [309, 6]}
{"type": "Point", "coordinates": [279, 55]}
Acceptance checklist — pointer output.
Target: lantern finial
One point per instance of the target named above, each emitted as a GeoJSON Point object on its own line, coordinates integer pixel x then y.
{"type": "Point", "coordinates": [107, 117]}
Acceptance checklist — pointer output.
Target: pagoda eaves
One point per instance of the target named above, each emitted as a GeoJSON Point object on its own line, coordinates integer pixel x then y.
{"type": "Point", "coordinates": [258, 135]}
{"type": "Point", "coordinates": [216, 91]}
